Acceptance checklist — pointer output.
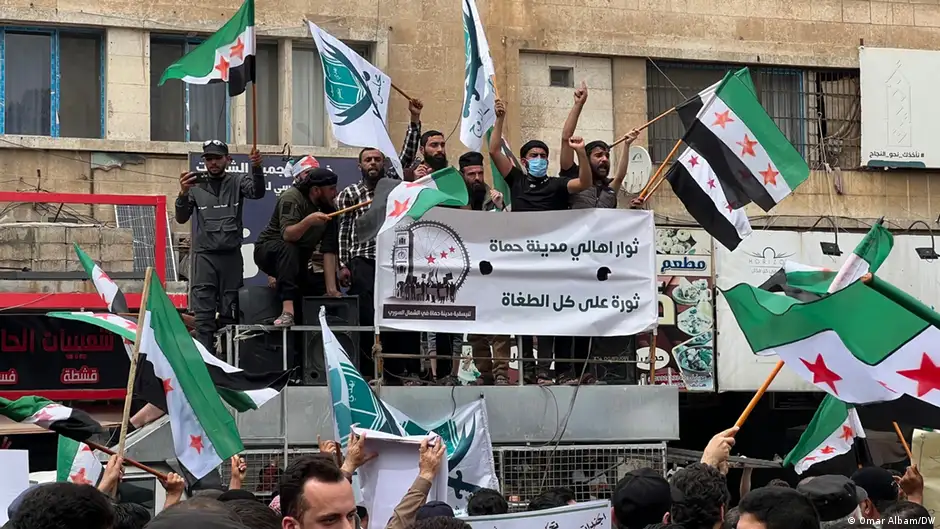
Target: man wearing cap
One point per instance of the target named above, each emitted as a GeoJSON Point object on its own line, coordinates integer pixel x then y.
{"type": "Point", "coordinates": [882, 489]}
{"type": "Point", "coordinates": [216, 197]}
{"type": "Point", "coordinates": [836, 498]}
{"type": "Point", "coordinates": [300, 223]}
{"type": "Point", "coordinates": [641, 498]}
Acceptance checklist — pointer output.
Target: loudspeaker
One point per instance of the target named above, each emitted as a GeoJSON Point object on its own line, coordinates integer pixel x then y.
{"type": "Point", "coordinates": [340, 312]}
{"type": "Point", "coordinates": [263, 353]}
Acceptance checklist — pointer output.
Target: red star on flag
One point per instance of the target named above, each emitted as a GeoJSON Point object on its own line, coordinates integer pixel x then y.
{"type": "Point", "coordinates": [44, 416]}
{"type": "Point", "coordinates": [747, 146]}
{"type": "Point", "coordinates": [238, 50]}
{"type": "Point", "coordinates": [847, 434]}
{"type": "Point", "coordinates": [79, 478]}
{"type": "Point", "coordinates": [729, 208]}
{"type": "Point", "coordinates": [430, 259]}
{"type": "Point", "coordinates": [414, 184]}
{"type": "Point", "coordinates": [167, 386]}
{"type": "Point", "coordinates": [927, 376]}
{"type": "Point", "coordinates": [443, 255]}
{"type": "Point", "coordinates": [722, 118]}
{"type": "Point", "coordinates": [400, 208]}
{"type": "Point", "coordinates": [770, 176]}
{"type": "Point", "coordinates": [809, 458]}
{"type": "Point", "coordinates": [86, 448]}
{"type": "Point", "coordinates": [886, 387]}
{"type": "Point", "coordinates": [821, 373]}
{"type": "Point", "coordinates": [309, 162]}
{"type": "Point", "coordinates": [222, 67]}
{"type": "Point", "coordinates": [195, 441]}
{"type": "Point", "coordinates": [826, 450]}
{"type": "Point", "coordinates": [711, 183]}
{"type": "Point", "coordinates": [693, 161]}
{"type": "Point", "coordinates": [452, 249]}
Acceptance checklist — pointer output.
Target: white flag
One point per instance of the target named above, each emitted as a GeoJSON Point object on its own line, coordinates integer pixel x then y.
{"type": "Point", "coordinates": [356, 96]}
{"type": "Point", "coordinates": [479, 99]}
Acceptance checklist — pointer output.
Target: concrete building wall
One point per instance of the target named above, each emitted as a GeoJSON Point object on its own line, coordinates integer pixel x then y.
{"type": "Point", "coordinates": [420, 45]}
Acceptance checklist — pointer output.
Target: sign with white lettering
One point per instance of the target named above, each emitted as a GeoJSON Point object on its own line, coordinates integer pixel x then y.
{"type": "Point", "coordinates": [557, 273]}
{"type": "Point", "coordinates": [588, 515]}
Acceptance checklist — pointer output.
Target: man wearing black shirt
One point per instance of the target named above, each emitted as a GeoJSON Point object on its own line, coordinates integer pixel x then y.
{"type": "Point", "coordinates": [534, 190]}
{"type": "Point", "coordinates": [300, 223]}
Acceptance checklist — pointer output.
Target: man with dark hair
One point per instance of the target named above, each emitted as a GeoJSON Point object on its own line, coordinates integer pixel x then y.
{"type": "Point", "coordinates": [254, 514]}
{"type": "Point", "coordinates": [906, 514]}
{"type": "Point", "coordinates": [315, 494]}
{"type": "Point", "coordinates": [777, 482]}
{"type": "Point", "coordinates": [179, 518]}
{"type": "Point", "coordinates": [434, 509]}
{"type": "Point", "coordinates": [558, 497]}
{"type": "Point", "coordinates": [640, 498]}
{"type": "Point", "coordinates": [776, 508]}
{"type": "Point", "coordinates": [236, 495]}
{"type": "Point", "coordinates": [357, 261]}
{"type": "Point", "coordinates": [130, 516]}
{"type": "Point", "coordinates": [440, 522]}
{"type": "Point", "coordinates": [699, 497]}
{"type": "Point", "coordinates": [433, 151]}
{"type": "Point", "coordinates": [486, 502]}
{"type": "Point", "coordinates": [64, 506]}
{"type": "Point", "coordinates": [300, 222]}
{"type": "Point", "coordinates": [217, 199]}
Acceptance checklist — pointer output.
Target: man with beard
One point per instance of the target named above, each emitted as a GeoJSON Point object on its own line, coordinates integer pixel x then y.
{"type": "Point", "coordinates": [216, 197]}
{"type": "Point", "coordinates": [300, 223]}
{"type": "Point", "coordinates": [358, 267]}
{"type": "Point", "coordinates": [433, 149]}
{"type": "Point", "coordinates": [602, 194]}
{"type": "Point", "coordinates": [533, 190]}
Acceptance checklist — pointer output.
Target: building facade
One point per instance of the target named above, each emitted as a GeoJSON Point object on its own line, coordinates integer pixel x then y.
{"type": "Point", "coordinates": [78, 83]}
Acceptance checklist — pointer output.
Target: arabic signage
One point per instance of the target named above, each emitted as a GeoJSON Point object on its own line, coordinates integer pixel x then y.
{"type": "Point", "coordinates": [571, 273]}
{"type": "Point", "coordinates": [684, 351]}
{"type": "Point", "coordinates": [257, 213]}
{"type": "Point", "coordinates": [39, 354]}
{"type": "Point", "coordinates": [587, 515]}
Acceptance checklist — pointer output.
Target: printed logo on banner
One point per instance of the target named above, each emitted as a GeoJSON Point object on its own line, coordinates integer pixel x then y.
{"type": "Point", "coordinates": [767, 261]}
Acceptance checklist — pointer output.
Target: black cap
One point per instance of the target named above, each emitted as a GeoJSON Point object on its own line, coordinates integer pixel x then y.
{"type": "Point", "coordinates": [595, 144]}
{"type": "Point", "coordinates": [434, 509]}
{"type": "Point", "coordinates": [318, 177]}
{"type": "Point", "coordinates": [834, 497]}
{"type": "Point", "coordinates": [532, 144]}
{"type": "Point", "coordinates": [469, 159]}
{"type": "Point", "coordinates": [195, 519]}
{"type": "Point", "coordinates": [214, 148]}
{"type": "Point", "coordinates": [877, 482]}
{"type": "Point", "coordinates": [236, 494]}
{"type": "Point", "coordinates": [641, 498]}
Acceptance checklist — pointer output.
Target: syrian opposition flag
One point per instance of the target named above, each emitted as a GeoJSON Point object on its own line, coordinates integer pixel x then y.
{"type": "Point", "coordinates": [866, 343]}
{"type": "Point", "coordinates": [831, 433]}
{"type": "Point", "coordinates": [689, 109]}
{"type": "Point", "coordinates": [357, 95]}
{"type": "Point", "coordinates": [204, 434]}
{"type": "Point", "coordinates": [700, 190]}
{"type": "Point", "coordinates": [77, 463]}
{"type": "Point", "coordinates": [296, 166]}
{"type": "Point", "coordinates": [105, 286]}
{"type": "Point", "coordinates": [745, 147]}
{"type": "Point", "coordinates": [72, 423]}
{"type": "Point", "coordinates": [479, 98]}
{"type": "Point", "coordinates": [394, 200]}
{"type": "Point", "coordinates": [228, 56]}
{"type": "Point", "coordinates": [499, 182]}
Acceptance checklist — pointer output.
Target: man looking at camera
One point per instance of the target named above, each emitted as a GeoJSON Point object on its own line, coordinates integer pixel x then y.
{"type": "Point", "coordinates": [216, 198]}
{"type": "Point", "coordinates": [300, 223]}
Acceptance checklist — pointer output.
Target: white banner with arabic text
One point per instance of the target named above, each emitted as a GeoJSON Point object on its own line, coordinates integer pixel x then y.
{"type": "Point", "coordinates": [587, 515]}
{"type": "Point", "coordinates": [570, 273]}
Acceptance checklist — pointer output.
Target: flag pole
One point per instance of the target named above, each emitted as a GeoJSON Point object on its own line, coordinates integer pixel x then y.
{"type": "Point", "coordinates": [647, 191]}
{"type": "Point", "coordinates": [132, 372]}
{"type": "Point", "coordinates": [907, 448]}
{"type": "Point", "coordinates": [402, 92]}
{"type": "Point", "coordinates": [350, 208]}
{"type": "Point", "coordinates": [254, 115]}
{"type": "Point", "coordinates": [131, 462]}
{"type": "Point", "coordinates": [644, 127]}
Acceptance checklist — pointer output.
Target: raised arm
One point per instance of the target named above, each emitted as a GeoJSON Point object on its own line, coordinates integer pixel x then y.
{"type": "Point", "coordinates": [566, 158]}
{"type": "Point", "coordinates": [623, 160]}
{"type": "Point", "coordinates": [502, 162]}
{"type": "Point", "coordinates": [412, 136]}
{"type": "Point", "coordinates": [253, 186]}
{"type": "Point", "coordinates": [584, 180]}
{"type": "Point", "coordinates": [184, 202]}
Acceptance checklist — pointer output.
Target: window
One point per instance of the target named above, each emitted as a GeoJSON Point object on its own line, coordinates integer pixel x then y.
{"type": "Point", "coordinates": [266, 74]}
{"type": "Point", "coordinates": [34, 64]}
{"type": "Point", "coordinates": [563, 77]}
{"type": "Point", "coordinates": [180, 111]}
{"type": "Point", "coordinates": [310, 121]}
{"type": "Point", "coordinates": [818, 111]}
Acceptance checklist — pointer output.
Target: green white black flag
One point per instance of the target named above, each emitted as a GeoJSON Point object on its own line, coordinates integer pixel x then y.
{"type": "Point", "coordinates": [479, 98]}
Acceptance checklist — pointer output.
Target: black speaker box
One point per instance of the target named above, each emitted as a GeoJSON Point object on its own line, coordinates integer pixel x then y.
{"type": "Point", "coordinates": [339, 312]}
{"type": "Point", "coordinates": [263, 353]}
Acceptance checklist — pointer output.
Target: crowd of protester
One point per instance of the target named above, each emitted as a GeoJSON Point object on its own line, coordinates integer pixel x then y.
{"type": "Point", "coordinates": [315, 492]}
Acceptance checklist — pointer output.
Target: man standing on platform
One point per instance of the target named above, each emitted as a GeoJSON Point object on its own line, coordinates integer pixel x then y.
{"type": "Point", "coordinates": [300, 223]}
{"type": "Point", "coordinates": [216, 198]}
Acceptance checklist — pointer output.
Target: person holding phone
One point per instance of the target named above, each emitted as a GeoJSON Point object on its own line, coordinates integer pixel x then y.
{"type": "Point", "coordinates": [216, 198]}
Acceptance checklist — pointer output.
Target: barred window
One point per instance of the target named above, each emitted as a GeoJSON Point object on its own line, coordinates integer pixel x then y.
{"type": "Point", "coordinates": [817, 110]}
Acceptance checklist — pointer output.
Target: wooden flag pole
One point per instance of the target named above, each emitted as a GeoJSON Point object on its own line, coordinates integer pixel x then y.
{"type": "Point", "coordinates": [350, 208]}
{"type": "Point", "coordinates": [159, 475]}
{"type": "Point", "coordinates": [647, 190]}
{"type": "Point", "coordinates": [402, 92]}
{"type": "Point", "coordinates": [644, 127]}
{"type": "Point", "coordinates": [254, 115]}
{"type": "Point", "coordinates": [907, 448]}
{"type": "Point", "coordinates": [132, 372]}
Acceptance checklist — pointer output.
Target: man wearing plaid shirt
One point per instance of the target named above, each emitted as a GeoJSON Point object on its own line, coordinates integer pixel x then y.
{"type": "Point", "coordinates": [357, 258]}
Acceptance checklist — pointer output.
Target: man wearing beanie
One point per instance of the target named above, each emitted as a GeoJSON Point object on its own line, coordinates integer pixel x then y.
{"type": "Point", "coordinates": [640, 499]}
{"type": "Point", "coordinates": [299, 224]}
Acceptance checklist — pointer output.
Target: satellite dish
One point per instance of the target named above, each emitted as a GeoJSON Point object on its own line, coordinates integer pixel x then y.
{"type": "Point", "coordinates": [638, 173]}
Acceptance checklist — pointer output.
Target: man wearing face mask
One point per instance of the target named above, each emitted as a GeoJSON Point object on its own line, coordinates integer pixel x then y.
{"type": "Point", "coordinates": [358, 268]}
{"type": "Point", "coordinates": [300, 223]}
{"type": "Point", "coordinates": [216, 198]}
{"type": "Point", "coordinates": [535, 191]}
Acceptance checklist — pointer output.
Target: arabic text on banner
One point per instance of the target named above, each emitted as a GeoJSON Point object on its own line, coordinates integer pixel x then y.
{"type": "Point", "coordinates": [570, 273]}
{"type": "Point", "coordinates": [588, 515]}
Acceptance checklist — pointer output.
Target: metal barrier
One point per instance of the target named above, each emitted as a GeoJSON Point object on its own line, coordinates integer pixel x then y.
{"type": "Point", "coordinates": [591, 471]}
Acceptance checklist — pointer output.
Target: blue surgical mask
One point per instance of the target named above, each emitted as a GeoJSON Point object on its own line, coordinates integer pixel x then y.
{"type": "Point", "coordinates": [538, 167]}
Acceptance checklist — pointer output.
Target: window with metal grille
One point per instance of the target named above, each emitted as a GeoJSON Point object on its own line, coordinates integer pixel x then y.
{"type": "Point", "coordinates": [817, 110]}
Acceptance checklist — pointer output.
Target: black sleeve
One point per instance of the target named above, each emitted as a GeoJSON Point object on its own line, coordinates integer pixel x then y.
{"type": "Point", "coordinates": [571, 172]}
{"type": "Point", "coordinates": [330, 241]}
{"type": "Point", "coordinates": [515, 175]}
